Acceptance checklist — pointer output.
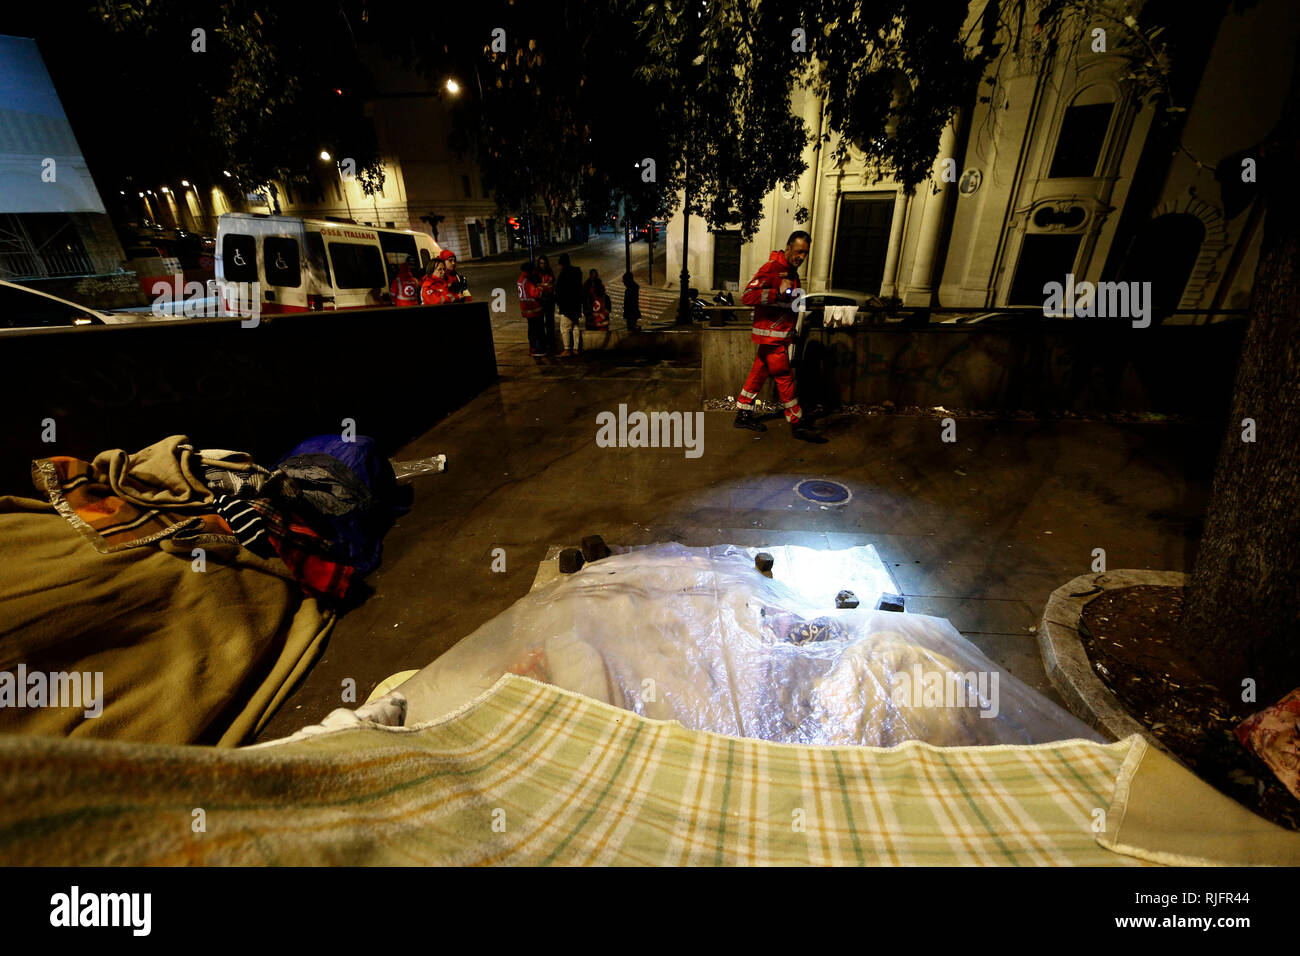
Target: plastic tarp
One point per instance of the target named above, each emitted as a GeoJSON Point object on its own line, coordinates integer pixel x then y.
{"type": "Point", "coordinates": [700, 636]}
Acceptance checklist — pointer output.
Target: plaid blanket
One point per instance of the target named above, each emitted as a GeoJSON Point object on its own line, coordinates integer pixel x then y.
{"type": "Point", "coordinates": [531, 774]}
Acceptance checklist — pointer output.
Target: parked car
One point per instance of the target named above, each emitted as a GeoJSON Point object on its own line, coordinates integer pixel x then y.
{"type": "Point", "coordinates": [870, 308]}
{"type": "Point", "coordinates": [24, 308]}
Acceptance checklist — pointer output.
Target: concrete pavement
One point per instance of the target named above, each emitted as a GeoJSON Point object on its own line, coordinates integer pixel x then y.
{"type": "Point", "coordinates": [980, 531]}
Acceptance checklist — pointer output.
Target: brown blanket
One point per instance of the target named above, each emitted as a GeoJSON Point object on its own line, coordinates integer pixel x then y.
{"type": "Point", "coordinates": [122, 500]}
{"type": "Point", "coordinates": [186, 651]}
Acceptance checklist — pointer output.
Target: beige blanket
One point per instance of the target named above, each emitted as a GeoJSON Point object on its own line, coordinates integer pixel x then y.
{"type": "Point", "coordinates": [183, 649]}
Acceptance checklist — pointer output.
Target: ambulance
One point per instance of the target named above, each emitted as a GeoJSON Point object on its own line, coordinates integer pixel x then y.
{"type": "Point", "coordinates": [286, 264]}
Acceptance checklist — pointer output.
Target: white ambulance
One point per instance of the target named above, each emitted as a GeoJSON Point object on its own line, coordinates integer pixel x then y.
{"type": "Point", "coordinates": [311, 265]}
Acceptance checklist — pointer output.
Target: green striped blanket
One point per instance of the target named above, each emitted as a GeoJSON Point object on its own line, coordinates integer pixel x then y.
{"type": "Point", "coordinates": [531, 774]}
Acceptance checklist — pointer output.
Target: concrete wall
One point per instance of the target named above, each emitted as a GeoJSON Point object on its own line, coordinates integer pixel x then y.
{"type": "Point", "coordinates": [259, 389]}
{"type": "Point", "coordinates": [1047, 366]}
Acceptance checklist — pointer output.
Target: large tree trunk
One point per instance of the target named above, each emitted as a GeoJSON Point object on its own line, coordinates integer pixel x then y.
{"type": "Point", "coordinates": [1242, 613]}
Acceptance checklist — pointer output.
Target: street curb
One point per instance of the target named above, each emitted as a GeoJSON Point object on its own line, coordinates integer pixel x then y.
{"type": "Point", "coordinates": [1066, 662]}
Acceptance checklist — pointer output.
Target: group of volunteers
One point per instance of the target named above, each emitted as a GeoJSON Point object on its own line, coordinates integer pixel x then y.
{"type": "Point", "coordinates": [580, 304]}
{"type": "Point", "coordinates": [440, 284]}
{"type": "Point", "coordinates": [773, 293]}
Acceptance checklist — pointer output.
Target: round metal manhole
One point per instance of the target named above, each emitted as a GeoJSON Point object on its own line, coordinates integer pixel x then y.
{"type": "Point", "coordinates": [823, 492]}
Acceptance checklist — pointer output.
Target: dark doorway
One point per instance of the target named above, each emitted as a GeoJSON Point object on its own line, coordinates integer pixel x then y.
{"type": "Point", "coordinates": [475, 240]}
{"type": "Point", "coordinates": [1164, 253]}
{"type": "Point", "coordinates": [861, 241]}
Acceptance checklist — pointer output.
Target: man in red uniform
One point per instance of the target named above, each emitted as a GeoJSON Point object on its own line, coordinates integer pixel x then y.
{"type": "Point", "coordinates": [772, 294]}
{"type": "Point", "coordinates": [530, 306]}
{"type": "Point", "coordinates": [405, 289]}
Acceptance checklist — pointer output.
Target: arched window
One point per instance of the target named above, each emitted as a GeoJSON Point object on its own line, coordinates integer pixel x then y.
{"type": "Point", "coordinates": [1083, 134]}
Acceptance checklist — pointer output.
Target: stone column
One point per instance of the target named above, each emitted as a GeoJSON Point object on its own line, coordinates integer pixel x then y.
{"type": "Point", "coordinates": [823, 232]}
{"type": "Point", "coordinates": [920, 288]}
{"type": "Point", "coordinates": [889, 286]}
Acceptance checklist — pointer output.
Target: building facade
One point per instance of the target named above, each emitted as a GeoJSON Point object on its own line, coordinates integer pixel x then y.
{"type": "Point", "coordinates": [426, 186]}
{"type": "Point", "coordinates": [1063, 172]}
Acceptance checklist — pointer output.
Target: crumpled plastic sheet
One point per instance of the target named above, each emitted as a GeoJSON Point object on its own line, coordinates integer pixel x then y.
{"type": "Point", "coordinates": [406, 470]}
{"type": "Point", "coordinates": [699, 636]}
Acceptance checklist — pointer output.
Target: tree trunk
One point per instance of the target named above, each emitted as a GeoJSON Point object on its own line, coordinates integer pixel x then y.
{"type": "Point", "coordinates": [1242, 613]}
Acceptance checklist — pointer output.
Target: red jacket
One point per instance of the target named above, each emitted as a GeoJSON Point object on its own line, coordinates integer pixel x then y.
{"type": "Point", "coordinates": [434, 291]}
{"type": "Point", "coordinates": [454, 279]}
{"type": "Point", "coordinates": [774, 320]}
{"type": "Point", "coordinates": [405, 288]}
{"type": "Point", "coordinates": [530, 297]}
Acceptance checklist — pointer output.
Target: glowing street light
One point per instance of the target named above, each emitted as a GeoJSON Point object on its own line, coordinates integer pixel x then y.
{"type": "Point", "coordinates": [343, 184]}
{"type": "Point", "coordinates": [452, 86]}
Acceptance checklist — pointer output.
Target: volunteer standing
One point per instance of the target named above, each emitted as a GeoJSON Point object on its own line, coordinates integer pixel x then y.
{"type": "Point", "coordinates": [772, 293]}
{"type": "Point", "coordinates": [433, 290]}
{"type": "Point", "coordinates": [405, 288]}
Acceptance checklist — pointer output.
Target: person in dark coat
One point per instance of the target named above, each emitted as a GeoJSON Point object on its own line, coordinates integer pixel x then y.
{"type": "Point", "coordinates": [631, 302]}
{"type": "Point", "coordinates": [547, 283]}
{"type": "Point", "coordinates": [568, 302]}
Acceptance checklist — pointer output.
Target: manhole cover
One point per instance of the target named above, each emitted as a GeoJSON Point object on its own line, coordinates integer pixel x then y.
{"type": "Point", "coordinates": [823, 492]}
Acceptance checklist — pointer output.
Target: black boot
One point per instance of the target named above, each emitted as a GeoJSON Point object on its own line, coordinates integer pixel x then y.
{"type": "Point", "coordinates": [746, 419]}
{"type": "Point", "coordinates": [805, 432]}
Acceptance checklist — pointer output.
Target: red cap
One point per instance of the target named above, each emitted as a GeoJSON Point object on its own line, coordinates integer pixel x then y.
{"type": "Point", "coordinates": [446, 254]}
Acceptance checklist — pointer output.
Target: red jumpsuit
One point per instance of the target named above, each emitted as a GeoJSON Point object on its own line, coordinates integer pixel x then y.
{"type": "Point", "coordinates": [774, 324]}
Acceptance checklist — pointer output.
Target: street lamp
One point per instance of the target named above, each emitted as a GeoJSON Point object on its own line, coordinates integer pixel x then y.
{"type": "Point", "coordinates": [452, 86]}
{"type": "Point", "coordinates": [343, 183]}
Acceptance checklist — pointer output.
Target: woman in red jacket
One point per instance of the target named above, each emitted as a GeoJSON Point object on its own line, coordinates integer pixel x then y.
{"type": "Point", "coordinates": [597, 302]}
{"type": "Point", "coordinates": [434, 291]}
